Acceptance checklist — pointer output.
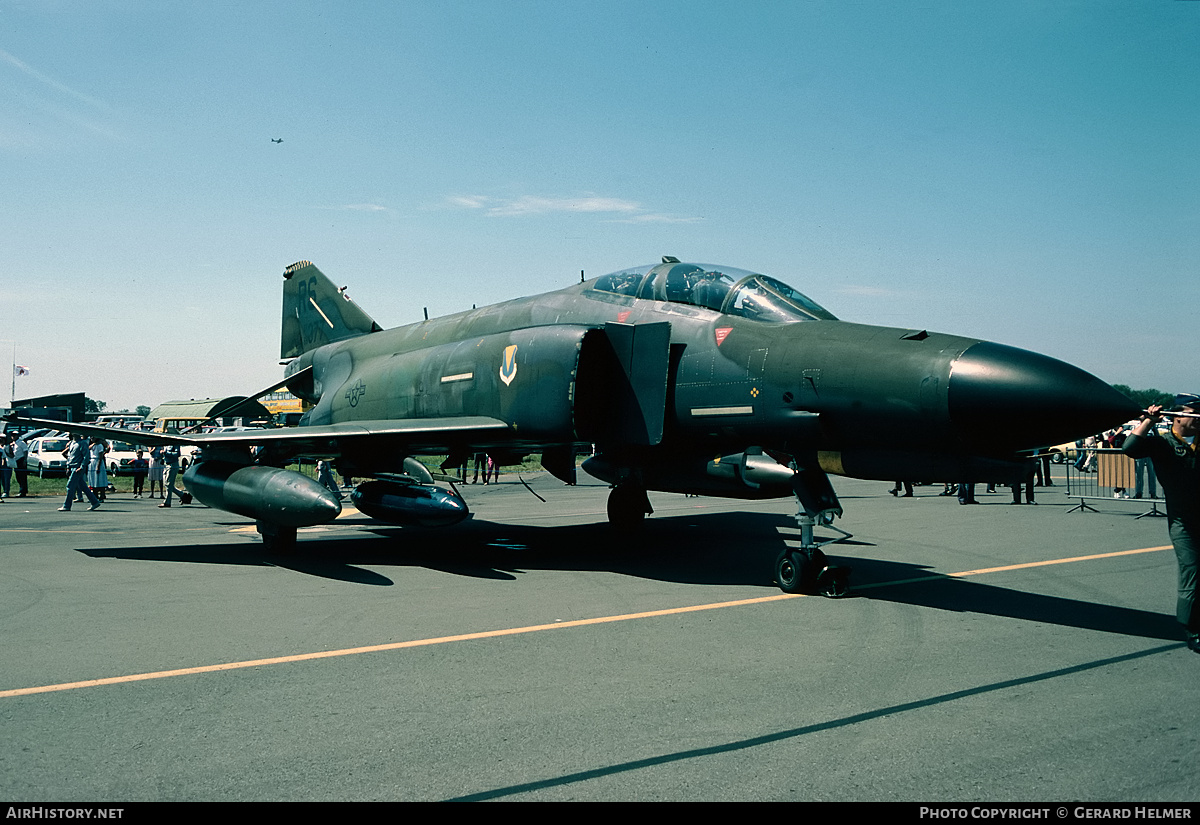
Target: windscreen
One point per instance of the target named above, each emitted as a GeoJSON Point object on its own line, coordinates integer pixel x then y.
{"type": "Point", "coordinates": [721, 289]}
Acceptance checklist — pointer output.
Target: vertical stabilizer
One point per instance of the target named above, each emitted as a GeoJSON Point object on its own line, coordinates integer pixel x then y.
{"type": "Point", "coordinates": [315, 312]}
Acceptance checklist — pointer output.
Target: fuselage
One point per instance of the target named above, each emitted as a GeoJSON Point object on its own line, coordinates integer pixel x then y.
{"type": "Point", "coordinates": [867, 401]}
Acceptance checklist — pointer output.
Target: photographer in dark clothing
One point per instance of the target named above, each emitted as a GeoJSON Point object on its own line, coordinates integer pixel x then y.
{"type": "Point", "coordinates": [1174, 457]}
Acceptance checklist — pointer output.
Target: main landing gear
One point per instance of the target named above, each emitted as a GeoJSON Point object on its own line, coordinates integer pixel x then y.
{"type": "Point", "coordinates": [628, 505]}
{"type": "Point", "coordinates": [277, 539]}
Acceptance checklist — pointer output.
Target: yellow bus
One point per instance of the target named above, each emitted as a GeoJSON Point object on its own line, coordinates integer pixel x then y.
{"type": "Point", "coordinates": [286, 407]}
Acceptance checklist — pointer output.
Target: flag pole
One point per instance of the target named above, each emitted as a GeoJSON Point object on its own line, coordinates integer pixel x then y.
{"type": "Point", "coordinates": [12, 396]}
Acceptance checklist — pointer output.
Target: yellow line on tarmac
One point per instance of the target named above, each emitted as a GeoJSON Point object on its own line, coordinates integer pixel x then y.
{"type": "Point", "coordinates": [515, 631]}
{"type": "Point", "coordinates": [1022, 566]}
{"type": "Point", "coordinates": [326, 654]}
{"type": "Point", "coordinates": [1061, 561]}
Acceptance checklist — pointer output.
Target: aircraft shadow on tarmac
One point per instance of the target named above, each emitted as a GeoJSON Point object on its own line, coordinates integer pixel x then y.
{"type": "Point", "coordinates": [707, 548]}
{"type": "Point", "coordinates": [966, 596]}
{"type": "Point", "coordinates": [701, 548]}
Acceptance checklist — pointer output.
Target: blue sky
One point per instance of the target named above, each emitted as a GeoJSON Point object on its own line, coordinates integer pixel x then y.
{"type": "Point", "coordinates": [1024, 172]}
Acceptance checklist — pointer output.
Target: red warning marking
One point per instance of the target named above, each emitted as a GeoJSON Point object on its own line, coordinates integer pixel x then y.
{"type": "Point", "coordinates": [621, 316]}
{"type": "Point", "coordinates": [722, 332]}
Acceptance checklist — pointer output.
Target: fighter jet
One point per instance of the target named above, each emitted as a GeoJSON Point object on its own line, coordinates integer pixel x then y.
{"type": "Point", "coordinates": [277, 140]}
{"type": "Point", "coordinates": [678, 377]}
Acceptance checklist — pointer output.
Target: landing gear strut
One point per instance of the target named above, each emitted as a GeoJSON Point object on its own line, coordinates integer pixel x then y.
{"type": "Point", "coordinates": [806, 569]}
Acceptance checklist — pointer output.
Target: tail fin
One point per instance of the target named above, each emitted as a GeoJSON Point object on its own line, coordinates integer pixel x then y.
{"type": "Point", "coordinates": [315, 312]}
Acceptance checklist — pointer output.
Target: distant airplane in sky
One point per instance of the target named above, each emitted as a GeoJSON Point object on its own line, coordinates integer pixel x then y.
{"type": "Point", "coordinates": [277, 140]}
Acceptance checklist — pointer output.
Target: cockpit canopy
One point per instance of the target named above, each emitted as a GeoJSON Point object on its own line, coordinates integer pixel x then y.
{"type": "Point", "coordinates": [720, 288]}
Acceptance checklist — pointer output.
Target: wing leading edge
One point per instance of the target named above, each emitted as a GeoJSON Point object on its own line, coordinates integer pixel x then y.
{"type": "Point", "coordinates": [419, 433]}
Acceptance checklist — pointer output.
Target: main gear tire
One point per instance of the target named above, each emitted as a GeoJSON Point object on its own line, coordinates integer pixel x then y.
{"type": "Point", "coordinates": [627, 507]}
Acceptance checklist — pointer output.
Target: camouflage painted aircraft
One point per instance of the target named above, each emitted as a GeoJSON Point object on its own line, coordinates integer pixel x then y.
{"type": "Point", "coordinates": [685, 378]}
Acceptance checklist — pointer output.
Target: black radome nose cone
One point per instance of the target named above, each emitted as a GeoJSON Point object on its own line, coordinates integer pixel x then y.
{"type": "Point", "coordinates": [1004, 398]}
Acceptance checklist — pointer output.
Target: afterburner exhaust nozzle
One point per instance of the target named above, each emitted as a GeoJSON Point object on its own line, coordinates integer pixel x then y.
{"type": "Point", "coordinates": [1003, 398]}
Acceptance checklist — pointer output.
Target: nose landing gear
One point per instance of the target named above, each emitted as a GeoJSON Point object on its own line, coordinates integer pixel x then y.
{"type": "Point", "coordinates": [806, 569]}
{"type": "Point", "coordinates": [798, 571]}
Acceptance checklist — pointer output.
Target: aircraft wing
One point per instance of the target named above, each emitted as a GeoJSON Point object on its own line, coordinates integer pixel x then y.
{"type": "Point", "coordinates": [143, 437]}
{"type": "Point", "coordinates": [416, 433]}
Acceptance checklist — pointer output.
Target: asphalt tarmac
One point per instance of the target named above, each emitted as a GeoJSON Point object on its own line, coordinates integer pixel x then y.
{"type": "Point", "coordinates": [986, 653]}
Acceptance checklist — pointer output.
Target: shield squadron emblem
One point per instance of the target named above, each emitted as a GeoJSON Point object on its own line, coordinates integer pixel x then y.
{"type": "Point", "coordinates": [508, 370]}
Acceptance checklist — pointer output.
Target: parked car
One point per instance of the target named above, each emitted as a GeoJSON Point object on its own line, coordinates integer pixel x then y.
{"type": "Point", "coordinates": [1062, 452]}
{"type": "Point", "coordinates": [45, 456]}
{"type": "Point", "coordinates": [120, 453]}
